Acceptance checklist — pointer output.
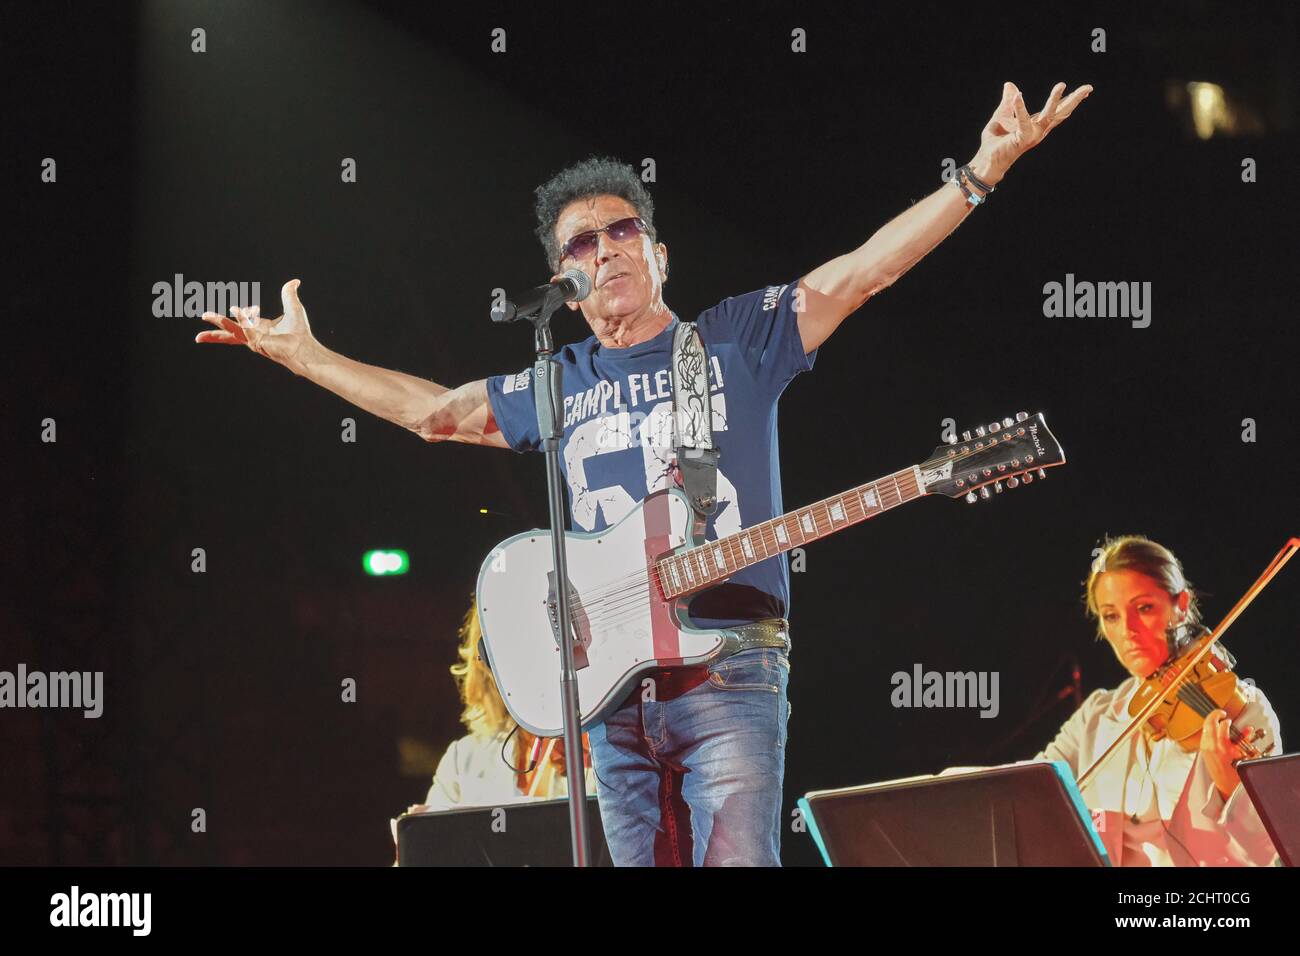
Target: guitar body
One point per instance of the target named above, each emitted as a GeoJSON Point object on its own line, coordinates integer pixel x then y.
{"type": "Point", "coordinates": [630, 584]}
{"type": "Point", "coordinates": [624, 626]}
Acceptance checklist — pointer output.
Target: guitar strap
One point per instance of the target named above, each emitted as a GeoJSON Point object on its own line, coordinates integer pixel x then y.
{"type": "Point", "coordinates": [697, 462]}
{"type": "Point", "coordinates": [697, 459]}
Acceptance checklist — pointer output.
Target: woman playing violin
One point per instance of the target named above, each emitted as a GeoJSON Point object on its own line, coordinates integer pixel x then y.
{"type": "Point", "coordinates": [1155, 802]}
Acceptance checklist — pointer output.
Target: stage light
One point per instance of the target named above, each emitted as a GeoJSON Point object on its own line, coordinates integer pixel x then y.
{"type": "Point", "coordinates": [1211, 112]}
{"type": "Point", "coordinates": [385, 563]}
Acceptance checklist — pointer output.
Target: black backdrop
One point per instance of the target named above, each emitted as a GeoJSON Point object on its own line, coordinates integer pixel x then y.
{"type": "Point", "coordinates": [223, 688]}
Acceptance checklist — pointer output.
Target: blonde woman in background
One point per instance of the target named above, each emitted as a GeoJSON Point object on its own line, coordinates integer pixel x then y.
{"type": "Point", "coordinates": [486, 766]}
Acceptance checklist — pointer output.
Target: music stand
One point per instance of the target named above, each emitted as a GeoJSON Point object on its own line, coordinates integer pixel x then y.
{"type": "Point", "coordinates": [535, 833]}
{"type": "Point", "coordinates": [1273, 785]}
{"type": "Point", "coordinates": [1028, 814]}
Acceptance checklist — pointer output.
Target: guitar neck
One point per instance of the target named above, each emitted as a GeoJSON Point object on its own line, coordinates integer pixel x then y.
{"type": "Point", "coordinates": [707, 564]}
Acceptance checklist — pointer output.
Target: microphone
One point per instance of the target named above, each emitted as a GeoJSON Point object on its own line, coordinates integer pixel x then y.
{"type": "Point", "coordinates": [573, 286]}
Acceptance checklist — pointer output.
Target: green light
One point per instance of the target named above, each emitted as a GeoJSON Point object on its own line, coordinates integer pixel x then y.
{"type": "Point", "coordinates": [383, 564]}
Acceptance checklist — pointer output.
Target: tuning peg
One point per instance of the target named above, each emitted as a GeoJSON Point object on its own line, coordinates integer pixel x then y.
{"type": "Point", "coordinates": [1021, 416]}
{"type": "Point", "coordinates": [1013, 482]}
{"type": "Point", "coordinates": [965, 436]}
{"type": "Point", "coordinates": [952, 440]}
{"type": "Point", "coordinates": [971, 498]}
{"type": "Point", "coordinates": [1007, 423]}
{"type": "Point", "coordinates": [995, 426]}
{"type": "Point", "coordinates": [979, 431]}
{"type": "Point", "coordinates": [1029, 477]}
{"type": "Point", "coordinates": [997, 486]}
{"type": "Point", "coordinates": [1042, 472]}
{"type": "Point", "coordinates": [984, 493]}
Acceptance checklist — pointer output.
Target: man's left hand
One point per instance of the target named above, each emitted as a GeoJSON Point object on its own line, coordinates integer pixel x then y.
{"type": "Point", "coordinates": [1013, 131]}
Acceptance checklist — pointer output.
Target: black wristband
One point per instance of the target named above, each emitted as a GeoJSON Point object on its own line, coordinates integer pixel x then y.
{"type": "Point", "coordinates": [975, 180]}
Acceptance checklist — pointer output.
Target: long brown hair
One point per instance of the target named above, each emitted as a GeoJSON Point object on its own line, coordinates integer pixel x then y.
{"type": "Point", "coordinates": [1135, 552]}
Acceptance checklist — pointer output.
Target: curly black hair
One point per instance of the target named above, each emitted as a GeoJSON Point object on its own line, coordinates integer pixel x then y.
{"type": "Point", "coordinates": [593, 176]}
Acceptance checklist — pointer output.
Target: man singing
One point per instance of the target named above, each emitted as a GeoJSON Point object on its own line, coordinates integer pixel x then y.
{"type": "Point", "coordinates": [693, 775]}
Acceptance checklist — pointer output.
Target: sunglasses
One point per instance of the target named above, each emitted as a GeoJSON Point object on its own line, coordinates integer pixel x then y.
{"type": "Point", "coordinates": [583, 245]}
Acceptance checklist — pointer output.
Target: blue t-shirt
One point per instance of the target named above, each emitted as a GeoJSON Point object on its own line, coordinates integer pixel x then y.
{"type": "Point", "coordinates": [618, 442]}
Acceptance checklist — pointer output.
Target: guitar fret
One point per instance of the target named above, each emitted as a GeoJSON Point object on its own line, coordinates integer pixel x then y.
{"type": "Point", "coordinates": [718, 559]}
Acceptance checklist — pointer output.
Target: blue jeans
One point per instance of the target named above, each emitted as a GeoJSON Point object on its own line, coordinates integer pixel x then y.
{"type": "Point", "coordinates": [689, 770]}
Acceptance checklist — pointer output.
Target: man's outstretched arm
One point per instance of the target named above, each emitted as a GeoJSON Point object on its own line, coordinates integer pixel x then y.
{"type": "Point", "coordinates": [837, 289]}
{"type": "Point", "coordinates": [432, 411]}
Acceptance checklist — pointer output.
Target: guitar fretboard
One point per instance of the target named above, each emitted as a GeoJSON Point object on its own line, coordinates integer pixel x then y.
{"type": "Point", "coordinates": [713, 561]}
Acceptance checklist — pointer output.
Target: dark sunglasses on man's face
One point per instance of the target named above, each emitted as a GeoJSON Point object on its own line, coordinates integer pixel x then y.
{"type": "Point", "coordinates": [583, 245]}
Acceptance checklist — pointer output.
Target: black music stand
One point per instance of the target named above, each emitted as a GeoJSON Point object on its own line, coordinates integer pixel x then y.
{"type": "Point", "coordinates": [1023, 815]}
{"type": "Point", "coordinates": [536, 833]}
{"type": "Point", "coordinates": [1273, 785]}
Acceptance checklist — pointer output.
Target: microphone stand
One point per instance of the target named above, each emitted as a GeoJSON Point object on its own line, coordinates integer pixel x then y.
{"type": "Point", "coordinates": [548, 393]}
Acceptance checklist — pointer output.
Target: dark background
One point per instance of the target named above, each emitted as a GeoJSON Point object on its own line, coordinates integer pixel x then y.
{"type": "Point", "coordinates": [223, 689]}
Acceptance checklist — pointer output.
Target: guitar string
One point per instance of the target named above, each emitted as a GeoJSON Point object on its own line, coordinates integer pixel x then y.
{"type": "Point", "coordinates": [636, 580]}
{"type": "Point", "coordinates": [767, 535]}
{"type": "Point", "coordinates": [631, 600]}
{"type": "Point", "coordinates": [635, 583]}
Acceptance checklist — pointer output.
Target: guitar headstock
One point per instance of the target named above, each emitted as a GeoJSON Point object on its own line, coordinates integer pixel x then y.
{"type": "Point", "coordinates": [1010, 452]}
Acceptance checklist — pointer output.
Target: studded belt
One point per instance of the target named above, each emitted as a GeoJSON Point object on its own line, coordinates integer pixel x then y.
{"type": "Point", "coordinates": [770, 632]}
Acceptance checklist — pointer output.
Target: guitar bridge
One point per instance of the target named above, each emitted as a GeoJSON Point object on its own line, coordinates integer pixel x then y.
{"type": "Point", "coordinates": [581, 626]}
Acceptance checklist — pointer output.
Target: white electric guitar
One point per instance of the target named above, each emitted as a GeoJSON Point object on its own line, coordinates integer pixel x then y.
{"type": "Point", "coordinates": [629, 584]}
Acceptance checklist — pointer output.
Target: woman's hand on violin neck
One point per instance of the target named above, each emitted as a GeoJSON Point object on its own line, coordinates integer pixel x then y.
{"type": "Point", "coordinates": [1220, 753]}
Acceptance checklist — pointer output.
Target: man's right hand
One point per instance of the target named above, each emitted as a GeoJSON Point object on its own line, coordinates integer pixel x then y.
{"type": "Point", "coordinates": [283, 340]}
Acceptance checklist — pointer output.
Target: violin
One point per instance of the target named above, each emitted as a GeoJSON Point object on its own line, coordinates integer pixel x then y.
{"type": "Point", "coordinates": [1201, 683]}
{"type": "Point", "coordinates": [1175, 700]}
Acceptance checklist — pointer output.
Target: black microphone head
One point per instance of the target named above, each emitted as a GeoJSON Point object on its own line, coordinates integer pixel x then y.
{"type": "Point", "coordinates": [581, 284]}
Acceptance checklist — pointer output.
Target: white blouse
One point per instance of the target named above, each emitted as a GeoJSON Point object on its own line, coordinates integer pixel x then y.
{"type": "Point", "coordinates": [472, 773]}
{"type": "Point", "coordinates": [1155, 804]}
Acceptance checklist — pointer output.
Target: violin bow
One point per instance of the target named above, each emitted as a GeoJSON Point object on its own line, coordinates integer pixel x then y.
{"type": "Point", "coordinates": [1274, 566]}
